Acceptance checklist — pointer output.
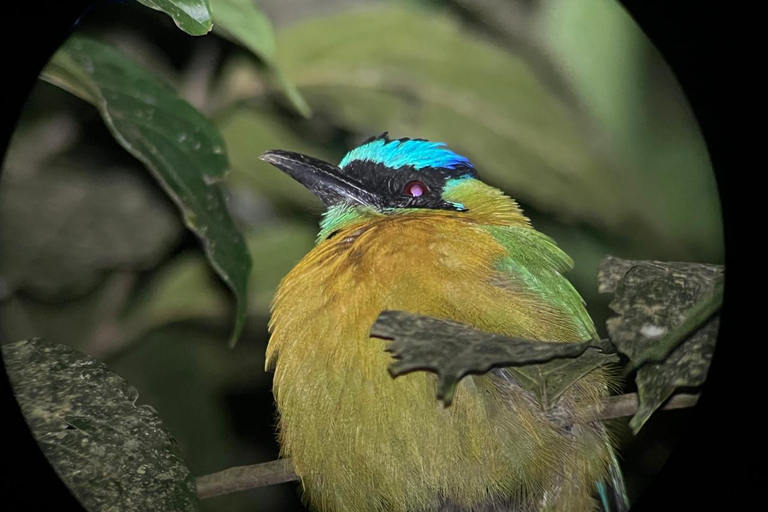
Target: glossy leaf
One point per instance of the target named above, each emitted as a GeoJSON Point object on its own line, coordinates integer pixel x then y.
{"type": "Point", "coordinates": [191, 16]}
{"type": "Point", "coordinates": [111, 453]}
{"type": "Point", "coordinates": [454, 350]}
{"type": "Point", "coordinates": [176, 143]}
{"type": "Point", "coordinates": [652, 299]}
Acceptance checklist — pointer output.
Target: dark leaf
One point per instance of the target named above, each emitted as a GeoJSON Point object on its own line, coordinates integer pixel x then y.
{"type": "Point", "coordinates": [653, 299]}
{"type": "Point", "coordinates": [181, 148]}
{"type": "Point", "coordinates": [453, 350]}
{"type": "Point", "coordinates": [183, 290]}
{"type": "Point", "coordinates": [65, 222]}
{"type": "Point", "coordinates": [550, 380]}
{"type": "Point", "coordinates": [110, 453]}
{"type": "Point", "coordinates": [191, 16]}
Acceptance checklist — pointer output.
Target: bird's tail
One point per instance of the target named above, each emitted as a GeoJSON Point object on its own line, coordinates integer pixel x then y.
{"type": "Point", "coordinates": [612, 491]}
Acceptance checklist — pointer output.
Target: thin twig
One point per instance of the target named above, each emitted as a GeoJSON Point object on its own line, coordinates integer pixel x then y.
{"type": "Point", "coordinates": [241, 478]}
{"type": "Point", "coordinates": [279, 471]}
{"type": "Point", "coordinates": [626, 405]}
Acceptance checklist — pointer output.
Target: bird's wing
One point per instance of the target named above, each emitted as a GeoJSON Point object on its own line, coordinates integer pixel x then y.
{"type": "Point", "coordinates": [533, 268]}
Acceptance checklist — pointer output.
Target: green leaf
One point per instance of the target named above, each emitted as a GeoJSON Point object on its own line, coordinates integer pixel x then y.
{"type": "Point", "coordinates": [419, 74]}
{"type": "Point", "coordinates": [191, 16]}
{"type": "Point", "coordinates": [178, 145]}
{"type": "Point", "coordinates": [109, 452]}
{"type": "Point", "coordinates": [183, 290]}
{"type": "Point", "coordinates": [454, 350]}
{"type": "Point", "coordinates": [249, 132]}
{"type": "Point", "coordinates": [653, 299]}
{"type": "Point", "coordinates": [633, 96]}
{"type": "Point", "coordinates": [243, 23]}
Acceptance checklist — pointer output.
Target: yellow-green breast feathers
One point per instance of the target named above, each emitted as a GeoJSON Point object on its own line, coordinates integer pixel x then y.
{"type": "Point", "coordinates": [364, 442]}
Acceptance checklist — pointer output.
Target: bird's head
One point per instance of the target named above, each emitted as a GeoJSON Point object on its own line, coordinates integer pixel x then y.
{"type": "Point", "coordinates": [393, 177]}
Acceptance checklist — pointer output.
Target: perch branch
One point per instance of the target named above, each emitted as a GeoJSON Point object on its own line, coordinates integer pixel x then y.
{"type": "Point", "coordinates": [279, 471]}
{"type": "Point", "coordinates": [241, 478]}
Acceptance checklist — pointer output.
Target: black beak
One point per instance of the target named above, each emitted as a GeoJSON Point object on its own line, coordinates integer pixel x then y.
{"type": "Point", "coordinates": [325, 180]}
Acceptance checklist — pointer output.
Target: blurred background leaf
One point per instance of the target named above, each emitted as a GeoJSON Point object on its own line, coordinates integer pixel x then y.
{"type": "Point", "coordinates": [242, 22]}
{"type": "Point", "coordinates": [564, 105]}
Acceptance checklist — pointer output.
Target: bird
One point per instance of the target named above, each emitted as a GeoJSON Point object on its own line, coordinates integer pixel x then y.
{"type": "Point", "coordinates": [409, 225]}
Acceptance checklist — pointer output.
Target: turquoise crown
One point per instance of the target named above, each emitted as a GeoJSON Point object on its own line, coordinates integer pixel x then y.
{"type": "Point", "coordinates": [416, 153]}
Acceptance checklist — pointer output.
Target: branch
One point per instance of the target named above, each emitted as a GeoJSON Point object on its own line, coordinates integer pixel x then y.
{"type": "Point", "coordinates": [626, 405]}
{"type": "Point", "coordinates": [280, 471]}
{"type": "Point", "coordinates": [241, 478]}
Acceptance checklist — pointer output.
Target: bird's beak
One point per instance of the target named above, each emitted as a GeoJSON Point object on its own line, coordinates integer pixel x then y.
{"type": "Point", "coordinates": [325, 180]}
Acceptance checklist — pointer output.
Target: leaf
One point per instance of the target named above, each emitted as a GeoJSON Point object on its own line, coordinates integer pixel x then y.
{"type": "Point", "coordinates": [653, 298]}
{"type": "Point", "coordinates": [178, 145]}
{"type": "Point", "coordinates": [418, 74]}
{"type": "Point", "coordinates": [550, 380]}
{"type": "Point", "coordinates": [191, 16]}
{"type": "Point", "coordinates": [453, 350]}
{"type": "Point", "coordinates": [110, 453]}
{"type": "Point", "coordinates": [633, 95]}
{"type": "Point", "coordinates": [183, 289]}
{"type": "Point", "coordinates": [249, 132]}
{"type": "Point", "coordinates": [243, 23]}
{"type": "Point", "coordinates": [66, 221]}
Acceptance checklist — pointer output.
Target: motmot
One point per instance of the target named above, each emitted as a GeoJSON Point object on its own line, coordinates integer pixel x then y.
{"type": "Point", "coordinates": [410, 226]}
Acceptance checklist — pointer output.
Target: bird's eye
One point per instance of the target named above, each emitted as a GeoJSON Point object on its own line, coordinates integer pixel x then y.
{"type": "Point", "coordinates": [415, 189]}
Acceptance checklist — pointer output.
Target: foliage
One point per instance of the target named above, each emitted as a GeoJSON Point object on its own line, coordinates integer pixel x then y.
{"type": "Point", "coordinates": [171, 138]}
{"type": "Point", "coordinates": [86, 421]}
{"type": "Point", "coordinates": [453, 350]}
{"type": "Point", "coordinates": [667, 324]}
{"type": "Point", "coordinates": [127, 265]}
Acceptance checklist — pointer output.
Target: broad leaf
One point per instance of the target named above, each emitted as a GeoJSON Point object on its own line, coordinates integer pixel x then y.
{"type": "Point", "coordinates": [183, 289]}
{"type": "Point", "coordinates": [112, 454]}
{"type": "Point", "coordinates": [191, 16]}
{"type": "Point", "coordinates": [454, 350]}
{"type": "Point", "coordinates": [242, 22]}
{"type": "Point", "coordinates": [631, 93]}
{"type": "Point", "coordinates": [418, 74]}
{"type": "Point", "coordinates": [249, 132]}
{"type": "Point", "coordinates": [184, 152]}
{"type": "Point", "coordinates": [652, 299]}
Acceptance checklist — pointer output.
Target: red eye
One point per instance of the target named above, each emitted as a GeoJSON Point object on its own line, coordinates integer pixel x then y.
{"type": "Point", "coordinates": [415, 189]}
